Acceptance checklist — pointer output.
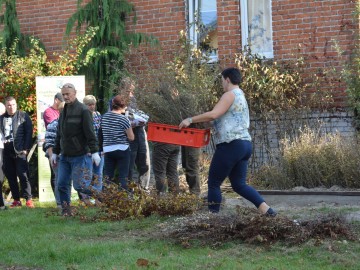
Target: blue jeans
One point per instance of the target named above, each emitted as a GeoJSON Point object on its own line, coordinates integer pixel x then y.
{"type": "Point", "coordinates": [54, 170]}
{"type": "Point", "coordinates": [120, 160]}
{"type": "Point", "coordinates": [74, 169]}
{"type": "Point", "coordinates": [231, 160]}
{"type": "Point", "coordinates": [97, 174]}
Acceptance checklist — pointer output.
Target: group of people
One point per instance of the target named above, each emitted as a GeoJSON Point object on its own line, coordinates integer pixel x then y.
{"type": "Point", "coordinates": [85, 147]}
{"type": "Point", "coordinates": [88, 147]}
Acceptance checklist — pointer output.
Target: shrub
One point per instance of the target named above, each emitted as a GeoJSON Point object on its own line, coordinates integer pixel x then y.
{"type": "Point", "coordinates": [183, 86]}
{"type": "Point", "coordinates": [313, 160]}
{"type": "Point", "coordinates": [351, 75]}
{"type": "Point", "coordinates": [119, 204]}
{"type": "Point", "coordinates": [17, 74]}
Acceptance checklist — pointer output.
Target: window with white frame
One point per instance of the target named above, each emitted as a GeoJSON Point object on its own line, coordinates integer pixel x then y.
{"type": "Point", "coordinates": [203, 26]}
{"type": "Point", "coordinates": [256, 26]}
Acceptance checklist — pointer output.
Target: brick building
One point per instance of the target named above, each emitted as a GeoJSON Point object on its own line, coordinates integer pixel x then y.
{"type": "Point", "coordinates": [278, 29]}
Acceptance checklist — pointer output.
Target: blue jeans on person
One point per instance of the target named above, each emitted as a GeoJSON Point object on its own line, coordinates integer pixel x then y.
{"type": "Point", "coordinates": [54, 170]}
{"type": "Point", "coordinates": [231, 160]}
{"type": "Point", "coordinates": [77, 170]}
{"type": "Point", "coordinates": [97, 174]}
{"type": "Point", "coordinates": [117, 159]}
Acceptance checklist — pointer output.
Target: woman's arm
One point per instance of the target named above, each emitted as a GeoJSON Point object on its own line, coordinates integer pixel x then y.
{"type": "Point", "coordinates": [130, 134]}
{"type": "Point", "coordinates": [220, 108]}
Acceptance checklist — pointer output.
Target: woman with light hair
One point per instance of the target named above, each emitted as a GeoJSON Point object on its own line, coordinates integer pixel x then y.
{"type": "Point", "coordinates": [97, 171]}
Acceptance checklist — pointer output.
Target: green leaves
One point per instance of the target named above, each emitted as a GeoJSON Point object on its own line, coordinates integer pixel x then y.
{"type": "Point", "coordinates": [109, 44]}
{"type": "Point", "coordinates": [18, 73]}
{"type": "Point", "coordinates": [269, 86]}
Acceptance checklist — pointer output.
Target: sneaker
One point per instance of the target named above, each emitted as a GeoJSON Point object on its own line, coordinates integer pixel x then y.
{"type": "Point", "coordinates": [3, 208]}
{"type": "Point", "coordinates": [270, 213]}
{"type": "Point", "coordinates": [16, 204]}
{"type": "Point", "coordinates": [30, 204]}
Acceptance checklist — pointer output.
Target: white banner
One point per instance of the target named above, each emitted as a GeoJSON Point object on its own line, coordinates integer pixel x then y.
{"type": "Point", "coordinates": [46, 89]}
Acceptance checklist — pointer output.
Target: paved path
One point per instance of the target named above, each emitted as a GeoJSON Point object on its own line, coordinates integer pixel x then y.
{"type": "Point", "coordinates": [285, 201]}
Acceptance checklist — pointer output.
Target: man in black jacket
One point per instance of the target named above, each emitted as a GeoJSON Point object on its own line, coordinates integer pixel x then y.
{"type": "Point", "coordinates": [17, 129]}
{"type": "Point", "coordinates": [75, 138]}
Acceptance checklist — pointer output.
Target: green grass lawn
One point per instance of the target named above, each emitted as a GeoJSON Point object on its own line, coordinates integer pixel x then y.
{"type": "Point", "coordinates": [35, 239]}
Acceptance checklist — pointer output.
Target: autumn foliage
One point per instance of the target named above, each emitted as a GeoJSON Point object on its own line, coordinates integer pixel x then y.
{"type": "Point", "coordinates": [18, 74]}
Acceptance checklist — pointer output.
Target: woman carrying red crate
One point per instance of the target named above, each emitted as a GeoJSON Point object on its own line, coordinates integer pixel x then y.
{"type": "Point", "coordinates": [233, 144]}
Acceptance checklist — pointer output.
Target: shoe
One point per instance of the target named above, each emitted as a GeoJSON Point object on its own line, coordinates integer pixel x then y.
{"type": "Point", "coordinates": [3, 208]}
{"type": "Point", "coordinates": [16, 204]}
{"type": "Point", "coordinates": [87, 202]}
{"type": "Point", "coordinates": [270, 213]}
{"type": "Point", "coordinates": [66, 210]}
{"type": "Point", "coordinates": [30, 204]}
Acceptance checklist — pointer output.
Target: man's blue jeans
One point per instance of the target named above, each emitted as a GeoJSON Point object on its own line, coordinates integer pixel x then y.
{"type": "Point", "coordinates": [74, 169]}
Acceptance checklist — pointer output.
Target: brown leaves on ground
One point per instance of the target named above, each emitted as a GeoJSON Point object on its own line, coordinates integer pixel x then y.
{"type": "Point", "coordinates": [249, 226]}
{"type": "Point", "coordinates": [120, 204]}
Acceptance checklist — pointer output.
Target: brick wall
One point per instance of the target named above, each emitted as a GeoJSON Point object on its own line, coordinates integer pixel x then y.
{"type": "Point", "coordinates": [229, 34]}
{"type": "Point", "coordinates": [310, 29]}
{"type": "Point", "coordinates": [300, 27]}
{"type": "Point", "coordinates": [46, 20]}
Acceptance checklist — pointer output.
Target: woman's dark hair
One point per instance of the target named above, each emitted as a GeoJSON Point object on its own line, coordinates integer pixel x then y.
{"type": "Point", "coordinates": [233, 74]}
{"type": "Point", "coordinates": [118, 102]}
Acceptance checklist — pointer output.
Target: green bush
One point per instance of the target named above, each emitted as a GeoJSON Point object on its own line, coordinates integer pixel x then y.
{"type": "Point", "coordinates": [18, 73]}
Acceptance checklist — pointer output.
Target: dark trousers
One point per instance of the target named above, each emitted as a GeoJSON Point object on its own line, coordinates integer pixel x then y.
{"type": "Point", "coordinates": [231, 160]}
{"type": "Point", "coordinates": [120, 160]}
{"type": "Point", "coordinates": [1, 178]}
{"type": "Point", "coordinates": [52, 177]}
{"type": "Point", "coordinates": [138, 153]}
{"type": "Point", "coordinates": [190, 162]}
{"type": "Point", "coordinates": [165, 163]}
{"type": "Point", "coordinates": [16, 167]}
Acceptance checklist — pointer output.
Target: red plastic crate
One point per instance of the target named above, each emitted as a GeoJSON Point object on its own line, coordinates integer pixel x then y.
{"type": "Point", "coordinates": [172, 134]}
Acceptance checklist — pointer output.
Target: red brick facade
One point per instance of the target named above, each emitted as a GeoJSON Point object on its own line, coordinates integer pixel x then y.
{"type": "Point", "coordinates": [307, 27]}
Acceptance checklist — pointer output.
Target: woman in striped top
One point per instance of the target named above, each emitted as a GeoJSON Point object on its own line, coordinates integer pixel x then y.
{"type": "Point", "coordinates": [114, 135]}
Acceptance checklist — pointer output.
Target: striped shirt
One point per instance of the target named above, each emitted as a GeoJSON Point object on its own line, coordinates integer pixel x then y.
{"type": "Point", "coordinates": [113, 127]}
{"type": "Point", "coordinates": [50, 135]}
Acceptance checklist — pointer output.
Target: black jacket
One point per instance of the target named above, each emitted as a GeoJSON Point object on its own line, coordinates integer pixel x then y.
{"type": "Point", "coordinates": [75, 134]}
{"type": "Point", "coordinates": [22, 130]}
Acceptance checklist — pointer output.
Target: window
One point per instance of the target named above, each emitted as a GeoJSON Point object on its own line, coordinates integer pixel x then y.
{"type": "Point", "coordinates": [256, 26]}
{"type": "Point", "coordinates": [203, 26]}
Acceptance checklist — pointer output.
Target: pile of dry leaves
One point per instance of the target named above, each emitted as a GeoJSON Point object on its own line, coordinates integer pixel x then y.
{"type": "Point", "coordinates": [247, 225]}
